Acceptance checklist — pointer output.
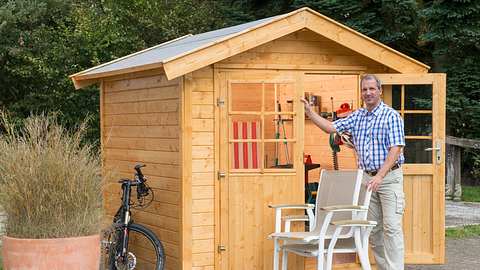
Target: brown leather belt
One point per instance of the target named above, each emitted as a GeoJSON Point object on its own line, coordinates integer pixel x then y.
{"type": "Point", "coordinates": [373, 173]}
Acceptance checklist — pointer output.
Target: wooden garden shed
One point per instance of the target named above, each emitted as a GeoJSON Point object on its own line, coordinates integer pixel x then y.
{"type": "Point", "coordinates": [217, 119]}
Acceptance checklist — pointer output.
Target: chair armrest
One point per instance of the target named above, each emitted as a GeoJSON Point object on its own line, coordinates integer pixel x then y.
{"type": "Point", "coordinates": [292, 206]}
{"type": "Point", "coordinates": [339, 208]}
{"type": "Point", "coordinates": [296, 218]}
{"type": "Point", "coordinates": [351, 223]}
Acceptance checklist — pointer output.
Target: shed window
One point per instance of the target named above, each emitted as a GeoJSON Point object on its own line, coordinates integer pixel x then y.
{"type": "Point", "coordinates": [414, 103]}
{"type": "Point", "coordinates": [261, 126]}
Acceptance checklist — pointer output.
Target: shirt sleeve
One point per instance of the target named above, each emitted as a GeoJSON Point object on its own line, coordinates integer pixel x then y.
{"type": "Point", "coordinates": [396, 133]}
{"type": "Point", "coordinates": [345, 124]}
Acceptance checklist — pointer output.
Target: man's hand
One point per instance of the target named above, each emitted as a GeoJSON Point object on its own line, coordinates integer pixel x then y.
{"type": "Point", "coordinates": [306, 104]}
{"type": "Point", "coordinates": [375, 183]}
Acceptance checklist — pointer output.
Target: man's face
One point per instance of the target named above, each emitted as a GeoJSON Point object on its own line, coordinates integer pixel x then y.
{"type": "Point", "coordinates": [370, 93]}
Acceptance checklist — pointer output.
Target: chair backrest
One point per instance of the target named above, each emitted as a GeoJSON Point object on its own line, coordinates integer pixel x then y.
{"type": "Point", "coordinates": [340, 187]}
{"type": "Point", "coordinates": [364, 198]}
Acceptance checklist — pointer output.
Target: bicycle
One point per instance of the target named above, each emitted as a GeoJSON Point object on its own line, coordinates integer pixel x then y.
{"type": "Point", "coordinates": [127, 245]}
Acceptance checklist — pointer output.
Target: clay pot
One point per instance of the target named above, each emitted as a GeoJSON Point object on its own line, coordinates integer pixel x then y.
{"type": "Point", "coordinates": [75, 253]}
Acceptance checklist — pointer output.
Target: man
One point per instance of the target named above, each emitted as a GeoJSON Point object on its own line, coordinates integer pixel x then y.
{"type": "Point", "coordinates": [379, 138]}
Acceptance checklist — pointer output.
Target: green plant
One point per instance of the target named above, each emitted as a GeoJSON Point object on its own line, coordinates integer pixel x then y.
{"type": "Point", "coordinates": [471, 193]}
{"type": "Point", "coordinates": [50, 182]}
{"type": "Point", "coordinates": [463, 232]}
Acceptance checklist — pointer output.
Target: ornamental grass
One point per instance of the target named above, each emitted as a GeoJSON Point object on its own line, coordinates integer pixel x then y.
{"type": "Point", "coordinates": [50, 183]}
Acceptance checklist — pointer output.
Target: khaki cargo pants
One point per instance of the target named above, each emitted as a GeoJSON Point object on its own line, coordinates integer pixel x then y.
{"type": "Point", "coordinates": [386, 207]}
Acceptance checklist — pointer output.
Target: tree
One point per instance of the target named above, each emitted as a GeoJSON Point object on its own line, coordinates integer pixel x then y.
{"type": "Point", "coordinates": [392, 22]}
{"type": "Point", "coordinates": [453, 29]}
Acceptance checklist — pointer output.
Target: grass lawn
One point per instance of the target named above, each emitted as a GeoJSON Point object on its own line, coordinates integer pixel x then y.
{"type": "Point", "coordinates": [463, 232]}
{"type": "Point", "coordinates": [471, 193]}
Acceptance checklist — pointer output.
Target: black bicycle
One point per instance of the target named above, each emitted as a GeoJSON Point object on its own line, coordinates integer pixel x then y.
{"type": "Point", "coordinates": [127, 245]}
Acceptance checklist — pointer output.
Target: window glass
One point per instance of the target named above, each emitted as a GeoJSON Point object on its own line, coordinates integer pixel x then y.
{"type": "Point", "coordinates": [418, 124]}
{"type": "Point", "coordinates": [279, 155]}
{"type": "Point", "coordinates": [418, 97]}
{"type": "Point", "coordinates": [414, 151]}
{"type": "Point", "coordinates": [279, 127]}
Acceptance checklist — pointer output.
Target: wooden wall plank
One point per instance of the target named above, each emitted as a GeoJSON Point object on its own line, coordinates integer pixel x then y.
{"type": "Point", "coordinates": [153, 144]}
{"type": "Point", "coordinates": [165, 132]}
{"type": "Point", "coordinates": [121, 84]}
{"type": "Point", "coordinates": [164, 106]}
{"type": "Point", "coordinates": [145, 94]}
{"type": "Point", "coordinates": [142, 119]}
{"type": "Point", "coordinates": [203, 232]}
{"type": "Point", "coordinates": [202, 138]}
{"type": "Point", "coordinates": [141, 124]}
{"type": "Point", "coordinates": [144, 156]}
{"type": "Point", "coordinates": [203, 179]}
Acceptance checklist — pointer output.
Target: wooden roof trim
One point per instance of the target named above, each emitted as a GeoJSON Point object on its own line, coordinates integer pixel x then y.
{"type": "Point", "coordinates": [77, 77]}
{"type": "Point", "coordinates": [316, 16]}
{"type": "Point", "coordinates": [86, 80]}
{"type": "Point", "coordinates": [233, 45]}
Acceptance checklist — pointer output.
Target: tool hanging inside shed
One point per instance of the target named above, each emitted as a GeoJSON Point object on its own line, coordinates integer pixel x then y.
{"type": "Point", "coordinates": [337, 139]}
{"type": "Point", "coordinates": [281, 125]}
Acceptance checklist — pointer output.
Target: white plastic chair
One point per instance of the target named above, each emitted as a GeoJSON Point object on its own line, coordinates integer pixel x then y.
{"type": "Point", "coordinates": [339, 225]}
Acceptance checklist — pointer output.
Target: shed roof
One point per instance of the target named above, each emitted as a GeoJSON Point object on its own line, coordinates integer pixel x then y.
{"type": "Point", "coordinates": [188, 53]}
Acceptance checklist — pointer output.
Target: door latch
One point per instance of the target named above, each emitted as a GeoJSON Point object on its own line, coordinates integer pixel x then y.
{"type": "Point", "coordinates": [220, 175]}
{"type": "Point", "coordinates": [438, 152]}
{"type": "Point", "coordinates": [221, 248]}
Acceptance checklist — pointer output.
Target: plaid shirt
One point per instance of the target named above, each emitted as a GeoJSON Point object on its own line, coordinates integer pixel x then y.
{"type": "Point", "coordinates": [373, 134]}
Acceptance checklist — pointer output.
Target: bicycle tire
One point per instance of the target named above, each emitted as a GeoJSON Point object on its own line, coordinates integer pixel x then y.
{"type": "Point", "coordinates": [140, 238]}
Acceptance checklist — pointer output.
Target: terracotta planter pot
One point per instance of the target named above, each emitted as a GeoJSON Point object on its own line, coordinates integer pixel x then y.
{"type": "Point", "coordinates": [52, 254]}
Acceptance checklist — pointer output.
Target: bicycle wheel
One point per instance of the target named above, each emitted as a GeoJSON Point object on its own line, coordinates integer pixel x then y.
{"type": "Point", "coordinates": [145, 251]}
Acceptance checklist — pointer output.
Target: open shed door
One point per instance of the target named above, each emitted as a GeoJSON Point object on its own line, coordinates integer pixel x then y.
{"type": "Point", "coordinates": [420, 98]}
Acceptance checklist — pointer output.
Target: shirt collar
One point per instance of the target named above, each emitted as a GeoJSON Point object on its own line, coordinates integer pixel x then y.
{"type": "Point", "coordinates": [376, 111]}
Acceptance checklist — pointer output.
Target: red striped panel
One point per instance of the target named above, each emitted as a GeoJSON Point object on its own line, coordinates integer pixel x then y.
{"type": "Point", "coordinates": [235, 146]}
{"type": "Point", "coordinates": [245, 145]}
{"type": "Point", "coordinates": [254, 146]}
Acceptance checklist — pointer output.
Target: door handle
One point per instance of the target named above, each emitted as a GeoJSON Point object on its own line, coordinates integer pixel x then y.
{"type": "Point", "coordinates": [438, 152]}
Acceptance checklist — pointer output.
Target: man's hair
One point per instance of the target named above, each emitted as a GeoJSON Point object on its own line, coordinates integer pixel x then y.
{"type": "Point", "coordinates": [368, 77]}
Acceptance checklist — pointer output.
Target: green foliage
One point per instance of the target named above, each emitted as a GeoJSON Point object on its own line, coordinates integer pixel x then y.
{"type": "Point", "coordinates": [51, 184]}
{"type": "Point", "coordinates": [44, 41]}
{"type": "Point", "coordinates": [471, 193]}
{"type": "Point", "coordinates": [453, 29]}
{"type": "Point", "coordinates": [393, 22]}
{"type": "Point", "coordinates": [463, 232]}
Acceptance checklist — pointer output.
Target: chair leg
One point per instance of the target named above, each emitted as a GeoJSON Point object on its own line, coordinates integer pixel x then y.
{"type": "Point", "coordinates": [362, 250]}
{"type": "Point", "coordinates": [284, 259]}
{"type": "Point", "coordinates": [331, 247]}
{"type": "Point", "coordinates": [321, 257]}
{"type": "Point", "coordinates": [275, 254]}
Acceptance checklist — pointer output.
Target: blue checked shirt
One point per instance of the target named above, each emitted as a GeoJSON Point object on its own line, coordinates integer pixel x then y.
{"type": "Point", "coordinates": [373, 134]}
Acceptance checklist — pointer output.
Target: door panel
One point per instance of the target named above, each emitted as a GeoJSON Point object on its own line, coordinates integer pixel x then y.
{"type": "Point", "coordinates": [261, 158]}
{"type": "Point", "coordinates": [420, 98]}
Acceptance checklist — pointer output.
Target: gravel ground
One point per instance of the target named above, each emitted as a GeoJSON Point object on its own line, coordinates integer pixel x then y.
{"type": "Point", "coordinates": [461, 213]}
{"type": "Point", "coordinates": [462, 254]}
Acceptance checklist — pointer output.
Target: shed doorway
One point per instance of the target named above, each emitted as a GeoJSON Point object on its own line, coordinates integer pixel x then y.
{"type": "Point", "coordinates": [259, 161]}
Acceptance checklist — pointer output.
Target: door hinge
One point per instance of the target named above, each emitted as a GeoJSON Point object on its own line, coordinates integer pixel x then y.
{"type": "Point", "coordinates": [220, 175]}
{"type": "Point", "coordinates": [221, 248]}
{"type": "Point", "coordinates": [220, 102]}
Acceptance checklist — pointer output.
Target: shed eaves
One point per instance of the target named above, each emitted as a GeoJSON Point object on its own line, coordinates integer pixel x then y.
{"type": "Point", "coordinates": [169, 50]}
